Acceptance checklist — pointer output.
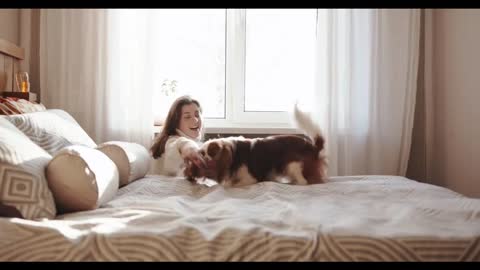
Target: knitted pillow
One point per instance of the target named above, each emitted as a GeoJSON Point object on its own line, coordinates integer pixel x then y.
{"type": "Point", "coordinates": [11, 105]}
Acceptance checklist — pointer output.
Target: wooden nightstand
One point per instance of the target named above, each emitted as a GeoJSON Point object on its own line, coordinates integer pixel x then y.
{"type": "Point", "coordinates": [25, 95]}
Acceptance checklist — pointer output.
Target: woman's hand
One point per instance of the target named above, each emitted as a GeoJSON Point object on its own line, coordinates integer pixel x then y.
{"type": "Point", "coordinates": [192, 155]}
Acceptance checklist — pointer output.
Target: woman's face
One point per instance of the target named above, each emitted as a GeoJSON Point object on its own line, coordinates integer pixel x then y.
{"type": "Point", "coordinates": [191, 120]}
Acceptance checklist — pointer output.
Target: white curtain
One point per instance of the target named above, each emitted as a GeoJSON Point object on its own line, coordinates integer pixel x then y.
{"type": "Point", "coordinates": [95, 64]}
{"type": "Point", "coordinates": [367, 66]}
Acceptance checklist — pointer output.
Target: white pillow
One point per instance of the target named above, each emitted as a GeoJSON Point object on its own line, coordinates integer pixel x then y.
{"type": "Point", "coordinates": [132, 159]}
{"type": "Point", "coordinates": [22, 174]}
{"type": "Point", "coordinates": [52, 129]}
{"type": "Point", "coordinates": [81, 178]}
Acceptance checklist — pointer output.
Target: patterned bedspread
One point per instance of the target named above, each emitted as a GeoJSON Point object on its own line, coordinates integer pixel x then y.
{"type": "Point", "coordinates": [360, 218]}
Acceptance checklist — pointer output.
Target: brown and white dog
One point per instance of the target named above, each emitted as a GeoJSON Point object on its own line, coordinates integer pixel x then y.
{"type": "Point", "coordinates": [237, 161]}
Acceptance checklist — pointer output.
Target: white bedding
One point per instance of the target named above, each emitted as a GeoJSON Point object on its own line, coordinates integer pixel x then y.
{"type": "Point", "coordinates": [349, 218]}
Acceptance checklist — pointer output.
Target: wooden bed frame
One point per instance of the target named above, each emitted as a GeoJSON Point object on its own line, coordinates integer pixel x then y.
{"type": "Point", "coordinates": [10, 57]}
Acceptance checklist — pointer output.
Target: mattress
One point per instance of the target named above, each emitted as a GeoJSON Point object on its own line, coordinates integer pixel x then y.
{"type": "Point", "coordinates": [357, 218]}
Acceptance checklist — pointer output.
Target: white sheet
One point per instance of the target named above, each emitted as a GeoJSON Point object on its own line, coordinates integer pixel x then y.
{"type": "Point", "coordinates": [349, 218]}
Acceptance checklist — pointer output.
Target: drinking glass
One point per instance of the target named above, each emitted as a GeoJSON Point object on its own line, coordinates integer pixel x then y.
{"type": "Point", "coordinates": [23, 84]}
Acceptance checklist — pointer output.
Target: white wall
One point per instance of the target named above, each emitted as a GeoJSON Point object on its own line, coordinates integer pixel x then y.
{"type": "Point", "coordinates": [9, 25]}
{"type": "Point", "coordinates": [456, 100]}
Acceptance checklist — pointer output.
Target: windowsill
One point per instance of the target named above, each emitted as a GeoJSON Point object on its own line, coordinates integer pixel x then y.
{"type": "Point", "coordinates": [251, 130]}
{"type": "Point", "coordinates": [246, 130]}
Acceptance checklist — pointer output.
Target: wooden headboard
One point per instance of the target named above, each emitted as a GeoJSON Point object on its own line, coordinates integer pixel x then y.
{"type": "Point", "coordinates": [10, 57]}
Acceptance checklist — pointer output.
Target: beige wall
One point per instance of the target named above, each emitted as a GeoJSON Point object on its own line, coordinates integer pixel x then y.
{"type": "Point", "coordinates": [9, 25]}
{"type": "Point", "coordinates": [446, 147]}
{"type": "Point", "coordinates": [22, 27]}
{"type": "Point", "coordinates": [456, 100]}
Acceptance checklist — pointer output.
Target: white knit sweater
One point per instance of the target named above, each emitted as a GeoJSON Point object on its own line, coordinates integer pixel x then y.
{"type": "Point", "coordinates": [171, 162]}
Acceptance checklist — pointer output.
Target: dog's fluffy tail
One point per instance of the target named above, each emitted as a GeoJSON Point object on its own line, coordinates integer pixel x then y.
{"type": "Point", "coordinates": [305, 123]}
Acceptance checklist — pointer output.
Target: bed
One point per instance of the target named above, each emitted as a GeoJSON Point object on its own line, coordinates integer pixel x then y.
{"type": "Point", "coordinates": [162, 218]}
{"type": "Point", "coordinates": [358, 218]}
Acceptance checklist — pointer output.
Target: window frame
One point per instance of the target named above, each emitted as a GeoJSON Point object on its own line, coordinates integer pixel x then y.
{"type": "Point", "coordinates": [235, 62]}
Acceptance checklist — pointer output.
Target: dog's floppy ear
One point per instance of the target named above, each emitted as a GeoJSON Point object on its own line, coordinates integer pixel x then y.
{"type": "Point", "coordinates": [192, 171]}
{"type": "Point", "coordinates": [224, 162]}
{"type": "Point", "coordinates": [213, 149]}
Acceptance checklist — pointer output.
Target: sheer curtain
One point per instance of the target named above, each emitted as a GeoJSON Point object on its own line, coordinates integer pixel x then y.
{"type": "Point", "coordinates": [98, 65]}
{"type": "Point", "coordinates": [367, 66]}
{"type": "Point", "coordinates": [95, 64]}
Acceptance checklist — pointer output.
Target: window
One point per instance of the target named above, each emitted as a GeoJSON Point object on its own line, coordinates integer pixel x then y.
{"type": "Point", "coordinates": [246, 67]}
{"type": "Point", "coordinates": [279, 50]}
{"type": "Point", "coordinates": [190, 49]}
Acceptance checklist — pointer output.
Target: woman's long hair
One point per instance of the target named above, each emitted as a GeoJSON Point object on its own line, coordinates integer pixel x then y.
{"type": "Point", "coordinates": [171, 124]}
